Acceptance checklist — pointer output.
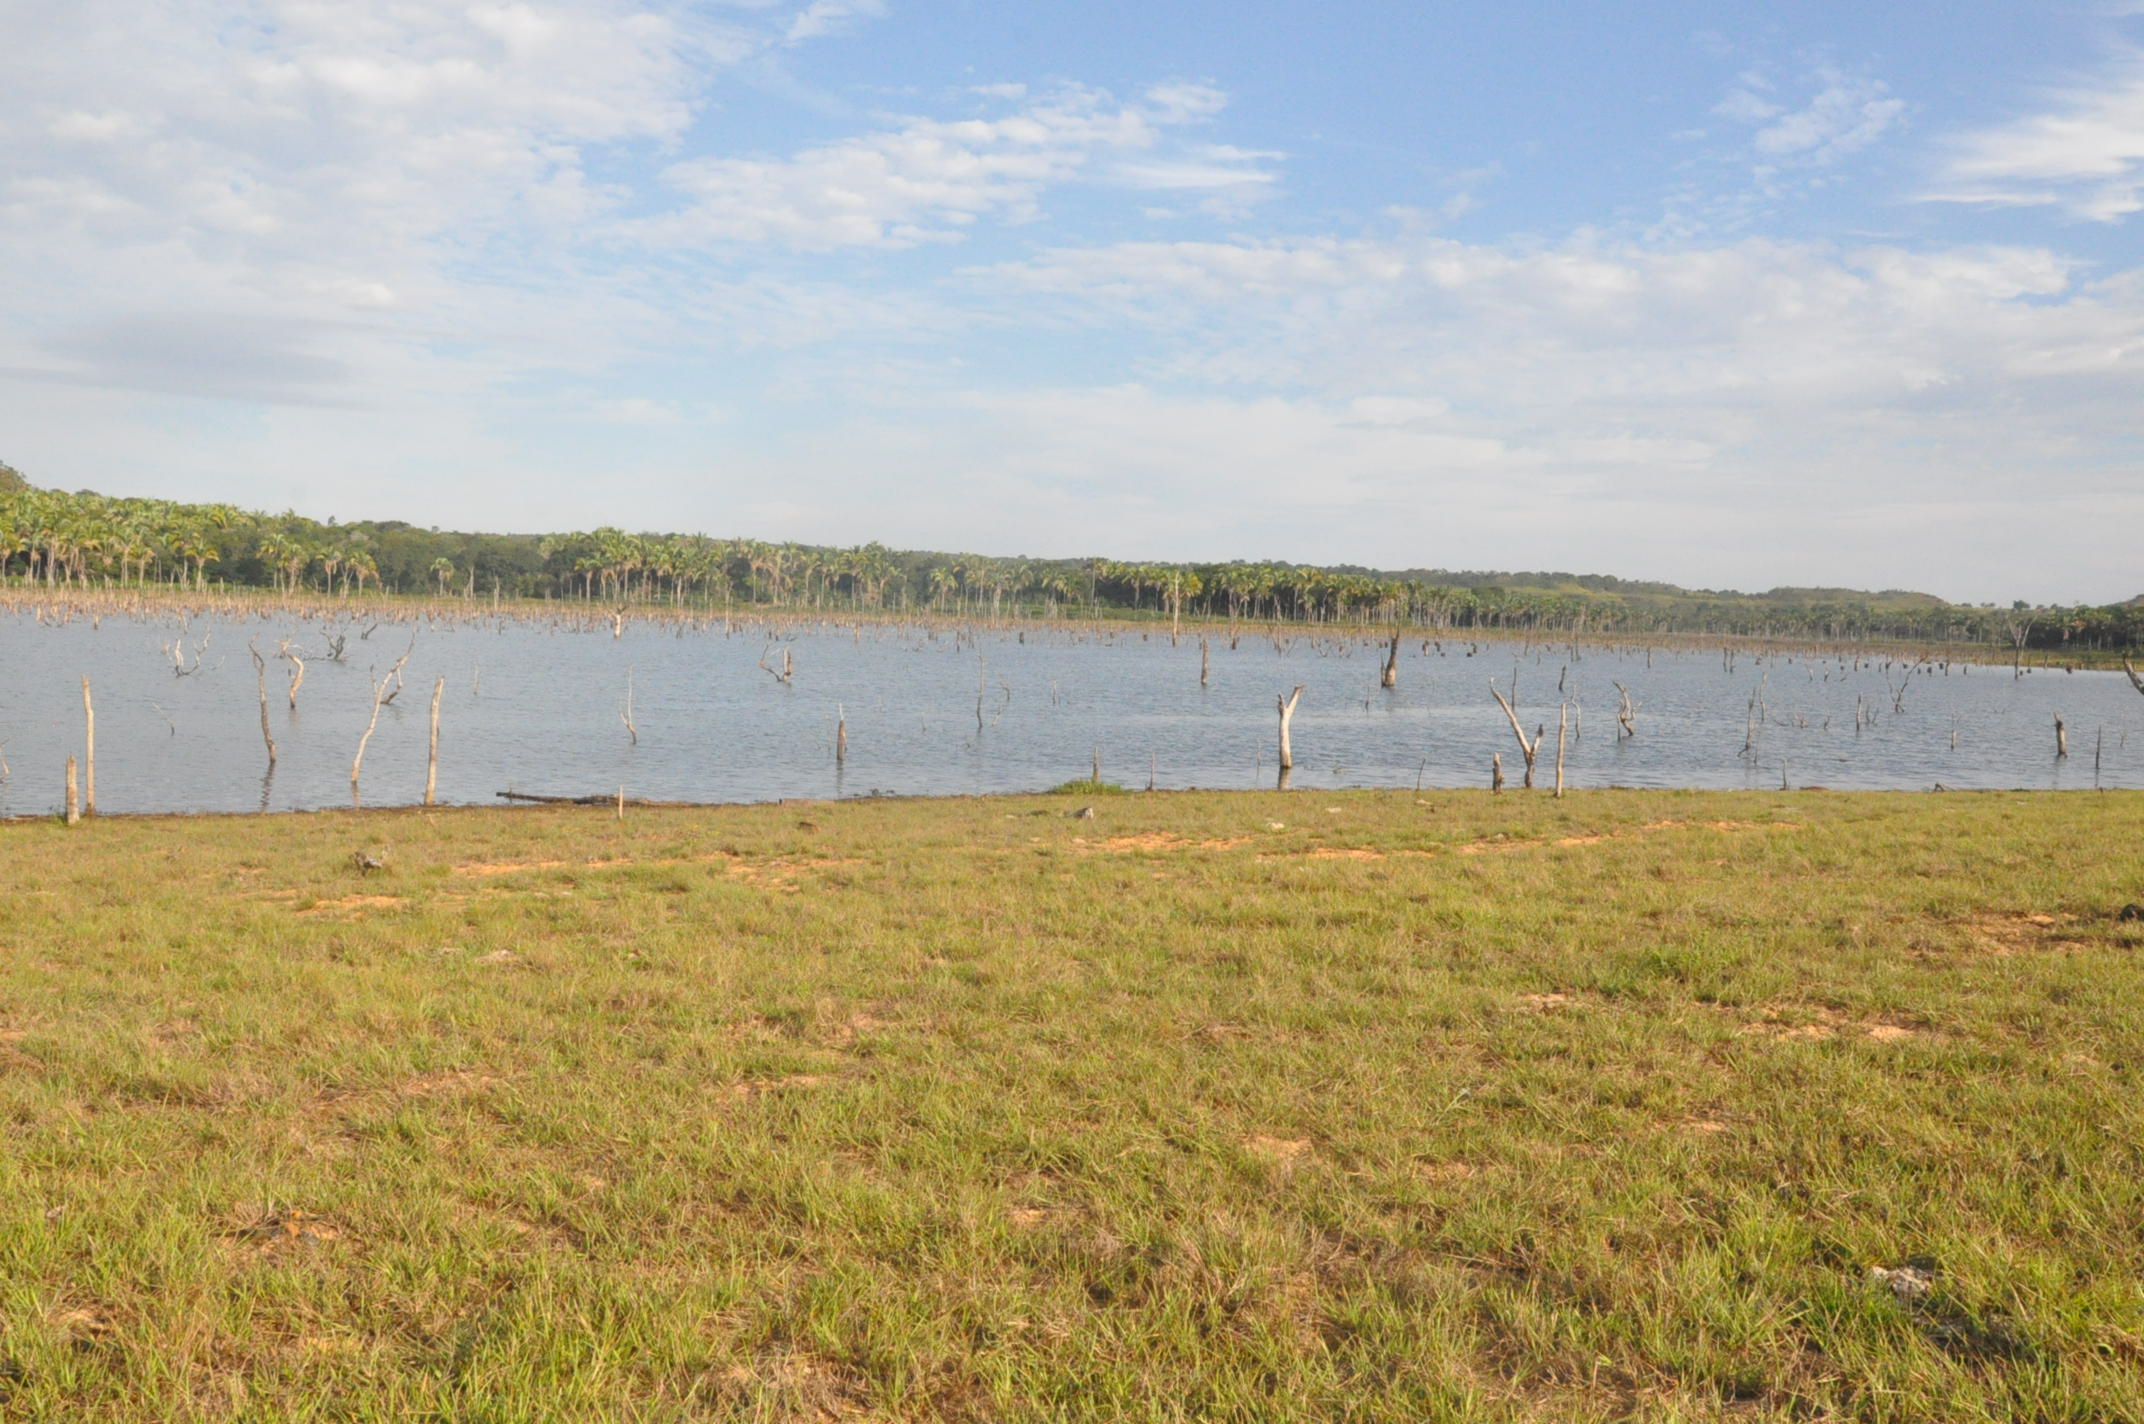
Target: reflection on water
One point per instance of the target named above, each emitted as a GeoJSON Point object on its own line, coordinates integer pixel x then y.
{"type": "Point", "coordinates": [533, 707]}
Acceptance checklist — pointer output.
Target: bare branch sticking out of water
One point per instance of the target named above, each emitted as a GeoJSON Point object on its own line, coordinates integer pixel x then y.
{"type": "Point", "coordinates": [260, 679]}
{"type": "Point", "coordinates": [380, 698]}
{"type": "Point", "coordinates": [395, 672]}
{"type": "Point", "coordinates": [1530, 749]}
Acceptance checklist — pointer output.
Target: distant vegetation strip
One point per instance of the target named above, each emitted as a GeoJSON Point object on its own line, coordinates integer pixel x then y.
{"type": "Point", "coordinates": [70, 541]}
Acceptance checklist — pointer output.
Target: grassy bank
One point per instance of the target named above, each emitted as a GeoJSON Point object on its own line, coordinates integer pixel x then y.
{"type": "Point", "coordinates": [1318, 1106]}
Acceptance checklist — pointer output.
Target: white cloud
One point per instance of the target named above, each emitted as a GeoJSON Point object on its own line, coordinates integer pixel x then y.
{"type": "Point", "coordinates": [825, 17]}
{"type": "Point", "coordinates": [1140, 471]}
{"type": "Point", "coordinates": [1206, 166]}
{"type": "Point", "coordinates": [2084, 152]}
{"type": "Point", "coordinates": [285, 200]}
{"type": "Point", "coordinates": [929, 180]}
{"type": "Point", "coordinates": [1746, 104]}
{"type": "Point", "coordinates": [1756, 381]}
{"type": "Point", "coordinates": [1845, 113]}
{"type": "Point", "coordinates": [1751, 324]}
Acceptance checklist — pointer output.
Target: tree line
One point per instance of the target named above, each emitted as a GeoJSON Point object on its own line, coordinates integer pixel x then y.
{"type": "Point", "coordinates": [60, 540]}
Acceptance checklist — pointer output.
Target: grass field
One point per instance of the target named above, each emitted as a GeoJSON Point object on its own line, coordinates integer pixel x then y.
{"type": "Point", "coordinates": [1360, 1106]}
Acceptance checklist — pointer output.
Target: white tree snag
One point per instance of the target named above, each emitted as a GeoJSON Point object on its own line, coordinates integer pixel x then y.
{"type": "Point", "coordinates": [841, 734]}
{"type": "Point", "coordinates": [1287, 716]}
{"type": "Point", "coordinates": [297, 678]}
{"type": "Point", "coordinates": [260, 682]}
{"type": "Point", "coordinates": [1496, 771]}
{"type": "Point", "coordinates": [1206, 664]}
{"type": "Point", "coordinates": [1391, 675]}
{"type": "Point", "coordinates": [380, 697]}
{"type": "Point", "coordinates": [74, 805]}
{"type": "Point", "coordinates": [2062, 739]}
{"type": "Point", "coordinates": [89, 764]}
{"type": "Point", "coordinates": [1562, 722]}
{"type": "Point", "coordinates": [431, 762]}
{"type": "Point", "coordinates": [1626, 716]}
{"type": "Point", "coordinates": [1531, 749]}
{"type": "Point", "coordinates": [626, 716]}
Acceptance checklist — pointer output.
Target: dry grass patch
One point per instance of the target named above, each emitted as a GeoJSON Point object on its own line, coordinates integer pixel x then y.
{"type": "Point", "coordinates": [353, 906]}
{"type": "Point", "coordinates": [283, 1231]}
{"type": "Point", "coordinates": [486, 868]}
{"type": "Point", "coordinates": [1286, 1152]}
{"type": "Point", "coordinates": [2008, 932]}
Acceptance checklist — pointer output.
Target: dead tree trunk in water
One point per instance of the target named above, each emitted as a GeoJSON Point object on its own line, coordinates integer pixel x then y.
{"type": "Point", "coordinates": [1287, 716]}
{"type": "Point", "coordinates": [1206, 662]}
{"type": "Point", "coordinates": [74, 808]}
{"type": "Point", "coordinates": [380, 697]}
{"type": "Point", "coordinates": [1496, 771]}
{"type": "Point", "coordinates": [431, 764]}
{"type": "Point", "coordinates": [2134, 680]}
{"type": "Point", "coordinates": [2062, 739]}
{"type": "Point", "coordinates": [260, 681]}
{"type": "Point", "coordinates": [1391, 674]}
{"type": "Point", "coordinates": [89, 765]}
{"type": "Point", "coordinates": [2020, 634]}
{"type": "Point", "coordinates": [1627, 714]}
{"type": "Point", "coordinates": [1530, 749]}
{"type": "Point", "coordinates": [1563, 720]}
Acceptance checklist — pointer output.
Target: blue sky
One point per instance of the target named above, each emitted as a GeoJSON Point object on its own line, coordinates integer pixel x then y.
{"type": "Point", "coordinates": [1822, 294]}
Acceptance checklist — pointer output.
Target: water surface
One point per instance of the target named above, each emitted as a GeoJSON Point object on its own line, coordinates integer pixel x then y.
{"type": "Point", "coordinates": [536, 706]}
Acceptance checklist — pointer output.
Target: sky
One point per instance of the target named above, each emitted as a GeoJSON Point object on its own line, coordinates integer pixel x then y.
{"type": "Point", "coordinates": [1729, 295]}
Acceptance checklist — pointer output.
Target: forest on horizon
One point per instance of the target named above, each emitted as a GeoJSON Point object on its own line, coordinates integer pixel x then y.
{"type": "Point", "coordinates": [82, 539]}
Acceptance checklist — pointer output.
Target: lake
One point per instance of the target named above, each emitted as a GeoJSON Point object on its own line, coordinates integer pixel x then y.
{"type": "Point", "coordinates": [535, 706]}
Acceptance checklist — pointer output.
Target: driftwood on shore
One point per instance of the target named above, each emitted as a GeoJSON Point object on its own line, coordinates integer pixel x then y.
{"type": "Point", "coordinates": [610, 799]}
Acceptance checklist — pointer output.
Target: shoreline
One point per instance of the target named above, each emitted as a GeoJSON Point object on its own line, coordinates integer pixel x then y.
{"type": "Point", "coordinates": [1122, 797]}
{"type": "Point", "coordinates": [592, 617]}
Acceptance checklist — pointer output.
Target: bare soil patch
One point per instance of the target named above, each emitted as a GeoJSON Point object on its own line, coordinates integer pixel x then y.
{"type": "Point", "coordinates": [2015, 931]}
{"type": "Point", "coordinates": [1822, 1025]}
{"type": "Point", "coordinates": [1281, 1151]}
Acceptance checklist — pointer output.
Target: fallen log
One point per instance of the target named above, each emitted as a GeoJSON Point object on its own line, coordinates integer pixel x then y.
{"type": "Point", "coordinates": [609, 800]}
